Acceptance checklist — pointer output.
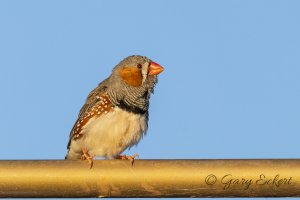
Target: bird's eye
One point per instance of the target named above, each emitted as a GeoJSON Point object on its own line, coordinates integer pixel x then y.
{"type": "Point", "coordinates": [139, 66]}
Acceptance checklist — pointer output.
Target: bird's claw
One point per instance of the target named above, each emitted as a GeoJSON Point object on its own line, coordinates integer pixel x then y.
{"type": "Point", "coordinates": [130, 158]}
{"type": "Point", "coordinates": [86, 156]}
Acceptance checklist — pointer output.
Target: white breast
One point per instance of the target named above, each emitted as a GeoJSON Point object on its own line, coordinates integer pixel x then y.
{"type": "Point", "coordinates": [110, 134]}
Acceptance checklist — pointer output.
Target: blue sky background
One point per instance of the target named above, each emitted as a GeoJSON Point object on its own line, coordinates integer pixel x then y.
{"type": "Point", "coordinates": [230, 89]}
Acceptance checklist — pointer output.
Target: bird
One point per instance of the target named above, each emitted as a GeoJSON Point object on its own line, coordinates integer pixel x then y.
{"type": "Point", "coordinates": [115, 114]}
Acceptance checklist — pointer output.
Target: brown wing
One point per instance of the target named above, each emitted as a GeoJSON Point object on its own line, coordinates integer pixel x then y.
{"type": "Point", "coordinates": [97, 103]}
{"type": "Point", "coordinates": [92, 98]}
{"type": "Point", "coordinates": [102, 106]}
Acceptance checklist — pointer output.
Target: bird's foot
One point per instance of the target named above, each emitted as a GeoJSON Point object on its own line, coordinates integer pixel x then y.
{"type": "Point", "coordinates": [130, 158]}
{"type": "Point", "coordinates": [86, 156]}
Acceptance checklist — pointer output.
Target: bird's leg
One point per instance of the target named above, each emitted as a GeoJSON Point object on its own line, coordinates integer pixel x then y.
{"type": "Point", "coordinates": [87, 156]}
{"type": "Point", "coordinates": [130, 158]}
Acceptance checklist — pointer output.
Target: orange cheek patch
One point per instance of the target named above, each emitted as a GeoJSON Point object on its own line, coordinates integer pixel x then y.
{"type": "Point", "coordinates": [132, 76]}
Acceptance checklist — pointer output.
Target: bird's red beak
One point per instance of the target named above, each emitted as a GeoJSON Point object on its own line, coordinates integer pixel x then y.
{"type": "Point", "coordinates": [155, 69]}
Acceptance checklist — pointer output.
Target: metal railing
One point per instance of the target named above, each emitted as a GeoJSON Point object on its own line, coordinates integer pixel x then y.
{"type": "Point", "coordinates": [150, 178]}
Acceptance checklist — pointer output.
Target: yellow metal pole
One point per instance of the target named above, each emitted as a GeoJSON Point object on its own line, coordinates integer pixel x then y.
{"type": "Point", "coordinates": [150, 178]}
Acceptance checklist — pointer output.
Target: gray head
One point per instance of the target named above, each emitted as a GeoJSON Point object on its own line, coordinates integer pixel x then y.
{"type": "Point", "coordinates": [132, 81]}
